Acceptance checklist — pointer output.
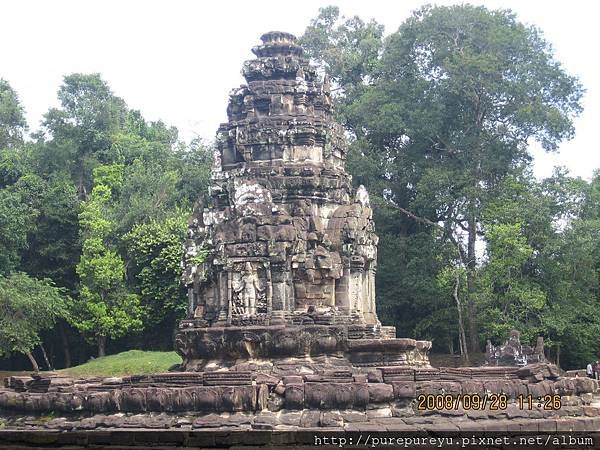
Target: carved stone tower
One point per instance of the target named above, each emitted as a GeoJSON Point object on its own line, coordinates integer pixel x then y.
{"type": "Point", "coordinates": [282, 263]}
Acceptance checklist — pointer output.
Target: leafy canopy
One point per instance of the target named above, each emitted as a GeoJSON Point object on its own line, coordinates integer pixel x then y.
{"type": "Point", "coordinates": [27, 306]}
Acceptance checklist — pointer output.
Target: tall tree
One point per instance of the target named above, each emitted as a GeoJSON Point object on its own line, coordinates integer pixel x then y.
{"type": "Point", "coordinates": [457, 95]}
{"type": "Point", "coordinates": [571, 270]}
{"type": "Point", "coordinates": [17, 219]}
{"type": "Point", "coordinates": [347, 50]}
{"type": "Point", "coordinates": [80, 132]}
{"type": "Point", "coordinates": [155, 251]}
{"type": "Point", "coordinates": [106, 308]}
{"type": "Point", "coordinates": [12, 118]}
{"type": "Point", "coordinates": [58, 221]}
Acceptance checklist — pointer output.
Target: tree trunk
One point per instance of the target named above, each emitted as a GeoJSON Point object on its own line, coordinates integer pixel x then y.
{"type": "Point", "coordinates": [65, 344]}
{"type": "Point", "coordinates": [46, 360]}
{"type": "Point", "coordinates": [462, 340]}
{"type": "Point", "coordinates": [558, 355]}
{"type": "Point", "coordinates": [101, 346]}
{"type": "Point", "coordinates": [82, 354]}
{"type": "Point", "coordinates": [33, 362]}
{"type": "Point", "coordinates": [471, 265]}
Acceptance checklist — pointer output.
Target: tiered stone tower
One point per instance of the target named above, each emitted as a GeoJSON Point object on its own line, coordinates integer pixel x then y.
{"type": "Point", "coordinates": [282, 262]}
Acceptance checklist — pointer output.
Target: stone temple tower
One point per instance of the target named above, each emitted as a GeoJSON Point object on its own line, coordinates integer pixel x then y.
{"type": "Point", "coordinates": [281, 263]}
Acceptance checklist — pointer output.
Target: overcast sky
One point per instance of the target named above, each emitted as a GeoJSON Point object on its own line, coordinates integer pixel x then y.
{"type": "Point", "coordinates": [177, 60]}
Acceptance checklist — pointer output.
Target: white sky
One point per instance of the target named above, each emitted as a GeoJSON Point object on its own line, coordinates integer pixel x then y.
{"type": "Point", "coordinates": [177, 60]}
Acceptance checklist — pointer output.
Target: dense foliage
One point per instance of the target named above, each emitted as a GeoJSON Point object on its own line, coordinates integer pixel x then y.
{"type": "Point", "coordinates": [440, 115]}
{"type": "Point", "coordinates": [28, 306]}
{"type": "Point", "coordinates": [93, 212]}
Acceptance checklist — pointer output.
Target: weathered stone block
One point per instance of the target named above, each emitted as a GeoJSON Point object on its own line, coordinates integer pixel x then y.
{"type": "Point", "coordinates": [238, 398]}
{"type": "Point", "coordinates": [209, 421]}
{"type": "Point", "coordinates": [375, 376]}
{"type": "Point", "coordinates": [292, 379]}
{"type": "Point", "coordinates": [133, 399]}
{"type": "Point", "coordinates": [160, 399]}
{"type": "Point", "coordinates": [275, 402]}
{"type": "Point", "coordinates": [276, 233]}
{"type": "Point", "coordinates": [331, 419]}
{"type": "Point", "coordinates": [208, 399]}
{"type": "Point", "coordinates": [291, 418]}
{"type": "Point", "coordinates": [380, 392]}
{"type": "Point", "coordinates": [379, 413]}
{"type": "Point", "coordinates": [404, 389]}
{"type": "Point", "coordinates": [265, 378]}
{"type": "Point", "coordinates": [336, 395]}
{"type": "Point", "coordinates": [583, 385]}
{"type": "Point", "coordinates": [294, 396]}
{"type": "Point", "coordinates": [450, 387]}
{"type": "Point", "coordinates": [471, 387]}
{"type": "Point", "coordinates": [310, 419]}
{"type": "Point", "coordinates": [262, 397]}
{"type": "Point", "coordinates": [429, 388]}
{"type": "Point", "coordinates": [536, 389]}
{"type": "Point", "coordinates": [350, 416]}
{"type": "Point", "coordinates": [280, 388]}
{"type": "Point", "coordinates": [564, 386]}
{"type": "Point", "coordinates": [100, 402]}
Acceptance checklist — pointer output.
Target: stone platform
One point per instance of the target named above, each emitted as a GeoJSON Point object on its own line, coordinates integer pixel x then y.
{"type": "Point", "coordinates": [567, 433]}
{"type": "Point", "coordinates": [306, 345]}
{"type": "Point", "coordinates": [373, 393]}
{"type": "Point", "coordinates": [292, 405]}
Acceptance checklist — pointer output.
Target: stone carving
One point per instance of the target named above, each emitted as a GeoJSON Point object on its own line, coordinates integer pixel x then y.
{"type": "Point", "coordinates": [248, 292]}
{"type": "Point", "coordinates": [289, 242]}
{"type": "Point", "coordinates": [513, 353]}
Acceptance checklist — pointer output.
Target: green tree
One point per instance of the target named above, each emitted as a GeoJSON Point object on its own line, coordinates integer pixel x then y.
{"type": "Point", "coordinates": [540, 272]}
{"type": "Point", "coordinates": [81, 131]}
{"type": "Point", "coordinates": [571, 270]}
{"type": "Point", "coordinates": [27, 306]}
{"type": "Point", "coordinates": [448, 112]}
{"type": "Point", "coordinates": [17, 219]}
{"type": "Point", "coordinates": [346, 49]}
{"type": "Point", "coordinates": [106, 308]}
{"type": "Point", "coordinates": [48, 211]}
{"type": "Point", "coordinates": [53, 246]}
{"type": "Point", "coordinates": [155, 250]}
{"type": "Point", "coordinates": [12, 118]}
{"type": "Point", "coordinates": [507, 298]}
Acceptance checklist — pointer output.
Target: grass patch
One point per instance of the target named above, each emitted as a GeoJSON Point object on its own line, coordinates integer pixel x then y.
{"type": "Point", "coordinates": [131, 362]}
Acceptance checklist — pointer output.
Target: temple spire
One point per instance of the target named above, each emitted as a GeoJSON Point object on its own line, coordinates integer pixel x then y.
{"type": "Point", "coordinates": [278, 43]}
{"type": "Point", "coordinates": [289, 243]}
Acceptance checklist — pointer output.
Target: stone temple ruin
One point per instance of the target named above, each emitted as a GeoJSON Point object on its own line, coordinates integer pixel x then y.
{"type": "Point", "coordinates": [282, 333]}
{"type": "Point", "coordinates": [292, 249]}
{"type": "Point", "coordinates": [513, 353]}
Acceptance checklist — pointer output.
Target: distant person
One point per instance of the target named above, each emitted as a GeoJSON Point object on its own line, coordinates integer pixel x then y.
{"type": "Point", "coordinates": [589, 371]}
{"type": "Point", "coordinates": [597, 370]}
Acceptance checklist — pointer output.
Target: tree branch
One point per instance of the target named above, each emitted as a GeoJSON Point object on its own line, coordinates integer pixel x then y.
{"type": "Point", "coordinates": [461, 252]}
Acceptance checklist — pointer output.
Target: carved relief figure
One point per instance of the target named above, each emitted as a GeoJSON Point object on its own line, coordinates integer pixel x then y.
{"type": "Point", "coordinates": [248, 291]}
